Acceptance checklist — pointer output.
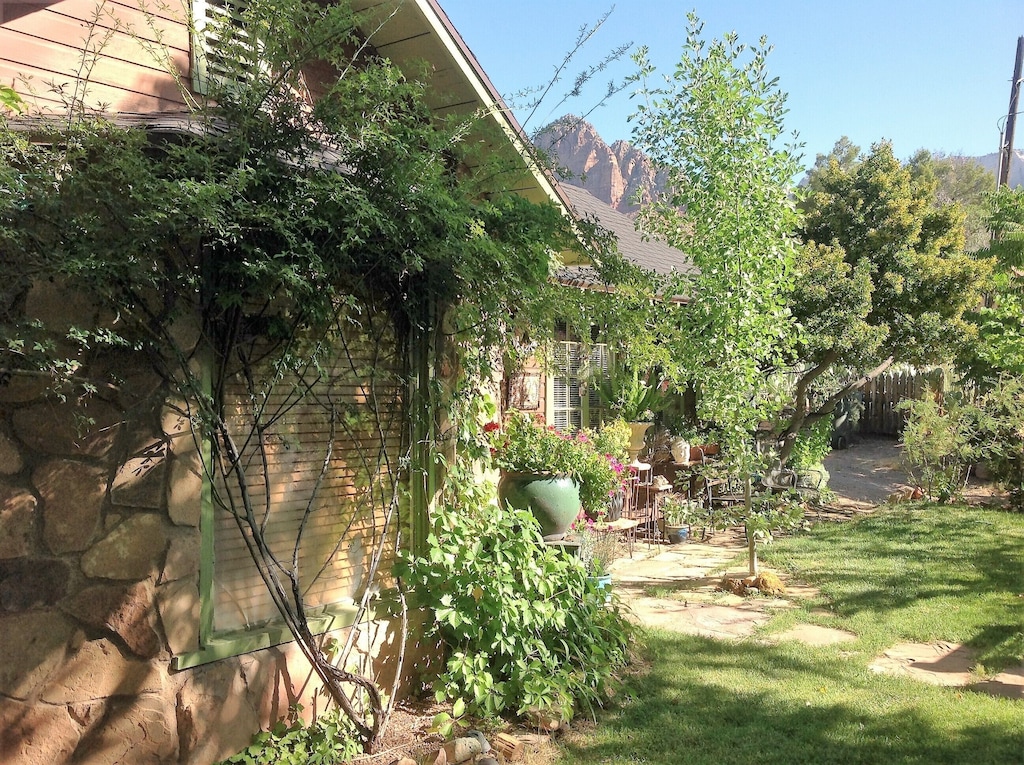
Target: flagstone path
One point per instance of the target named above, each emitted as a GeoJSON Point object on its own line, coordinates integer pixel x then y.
{"type": "Point", "coordinates": [675, 587]}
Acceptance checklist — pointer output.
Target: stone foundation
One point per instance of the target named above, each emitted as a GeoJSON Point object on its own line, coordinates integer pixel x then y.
{"type": "Point", "coordinates": [99, 589]}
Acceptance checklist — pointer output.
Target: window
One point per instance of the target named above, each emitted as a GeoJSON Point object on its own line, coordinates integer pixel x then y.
{"type": "Point", "coordinates": [573, 400]}
{"type": "Point", "coordinates": [346, 412]}
{"type": "Point", "coordinates": [222, 46]}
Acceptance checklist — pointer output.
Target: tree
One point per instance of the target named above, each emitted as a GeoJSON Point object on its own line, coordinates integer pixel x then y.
{"type": "Point", "coordinates": [714, 126]}
{"type": "Point", "coordinates": [998, 349]}
{"type": "Point", "coordinates": [883, 278]}
{"type": "Point", "coordinates": [962, 181]}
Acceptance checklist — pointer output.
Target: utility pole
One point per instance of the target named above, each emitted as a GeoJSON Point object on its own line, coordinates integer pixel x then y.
{"type": "Point", "coordinates": [1006, 150]}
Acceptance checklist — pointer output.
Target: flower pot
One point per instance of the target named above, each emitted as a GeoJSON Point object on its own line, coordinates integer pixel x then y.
{"type": "Point", "coordinates": [604, 585]}
{"type": "Point", "coordinates": [603, 582]}
{"type": "Point", "coordinates": [637, 433]}
{"type": "Point", "coordinates": [676, 534]}
{"type": "Point", "coordinates": [554, 500]}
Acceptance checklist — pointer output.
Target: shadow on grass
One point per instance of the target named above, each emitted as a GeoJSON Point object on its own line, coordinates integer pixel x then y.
{"type": "Point", "coordinates": [707, 701]}
{"type": "Point", "coordinates": [898, 559]}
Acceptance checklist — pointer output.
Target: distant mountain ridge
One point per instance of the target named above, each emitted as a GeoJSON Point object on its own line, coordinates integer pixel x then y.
{"type": "Point", "coordinates": [991, 163]}
{"type": "Point", "coordinates": [617, 173]}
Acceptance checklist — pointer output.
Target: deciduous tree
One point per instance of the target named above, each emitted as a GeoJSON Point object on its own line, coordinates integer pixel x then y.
{"type": "Point", "coordinates": [883, 277]}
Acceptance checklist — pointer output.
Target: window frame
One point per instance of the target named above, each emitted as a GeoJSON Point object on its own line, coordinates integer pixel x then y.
{"type": "Point", "coordinates": [592, 413]}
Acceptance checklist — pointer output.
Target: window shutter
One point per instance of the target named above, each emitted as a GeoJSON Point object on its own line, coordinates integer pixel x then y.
{"type": "Point", "coordinates": [599, 370]}
{"type": "Point", "coordinates": [221, 42]}
{"type": "Point", "coordinates": [567, 406]}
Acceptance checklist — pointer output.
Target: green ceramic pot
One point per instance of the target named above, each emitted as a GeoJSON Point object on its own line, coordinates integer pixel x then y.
{"type": "Point", "coordinates": [554, 500]}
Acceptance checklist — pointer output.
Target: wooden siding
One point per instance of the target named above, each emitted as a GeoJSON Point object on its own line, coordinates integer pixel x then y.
{"type": "Point", "coordinates": [135, 46]}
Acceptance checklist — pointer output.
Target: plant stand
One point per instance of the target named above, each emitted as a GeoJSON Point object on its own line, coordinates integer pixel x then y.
{"type": "Point", "coordinates": [626, 527]}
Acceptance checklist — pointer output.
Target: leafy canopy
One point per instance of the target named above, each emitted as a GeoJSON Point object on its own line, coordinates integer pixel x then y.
{"type": "Point", "coordinates": [884, 218]}
{"type": "Point", "coordinates": [715, 126]}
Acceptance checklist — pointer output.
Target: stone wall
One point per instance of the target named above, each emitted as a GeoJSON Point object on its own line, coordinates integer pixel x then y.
{"type": "Point", "coordinates": [99, 590]}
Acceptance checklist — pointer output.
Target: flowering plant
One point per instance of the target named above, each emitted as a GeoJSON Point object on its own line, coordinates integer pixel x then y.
{"type": "Point", "coordinates": [524, 446]}
{"type": "Point", "coordinates": [598, 548]}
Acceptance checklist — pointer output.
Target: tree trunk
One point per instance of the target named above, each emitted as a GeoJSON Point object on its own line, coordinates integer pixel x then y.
{"type": "Point", "coordinates": [802, 414]}
{"type": "Point", "coordinates": [751, 539]}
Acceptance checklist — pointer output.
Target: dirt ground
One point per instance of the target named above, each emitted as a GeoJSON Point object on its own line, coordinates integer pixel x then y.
{"type": "Point", "coordinates": [869, 472]}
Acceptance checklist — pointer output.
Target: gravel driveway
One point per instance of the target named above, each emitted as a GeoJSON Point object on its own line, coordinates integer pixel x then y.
{"type": "Point", "coordinates": [867, 473]}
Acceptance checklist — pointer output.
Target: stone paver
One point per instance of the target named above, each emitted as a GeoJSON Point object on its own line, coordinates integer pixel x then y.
{"type": "Point", "coordinates": [812, 634]}
{"type": "Point", "coordinates": [948, 664]}
{"type": "Point", "coordinates": [689, 574]}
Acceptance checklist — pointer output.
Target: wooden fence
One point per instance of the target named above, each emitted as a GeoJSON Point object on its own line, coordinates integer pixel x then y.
{"type": "Point", "coordinates": [881, 395]}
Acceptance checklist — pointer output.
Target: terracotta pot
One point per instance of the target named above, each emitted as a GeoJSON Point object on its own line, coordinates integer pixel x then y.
{"type": "Point", "coordinates": [554, 500]}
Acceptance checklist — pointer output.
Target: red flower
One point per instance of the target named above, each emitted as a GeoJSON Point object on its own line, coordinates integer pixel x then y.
{"type": "Point", "coordinates": [491, 427]}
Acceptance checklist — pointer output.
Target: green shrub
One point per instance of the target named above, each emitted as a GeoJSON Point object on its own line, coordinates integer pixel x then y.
{"type": "Point", "coordinates": [328, 740]}
{"type": "Point", "coordinates": [1001, 435]}
{"type": "Point", "coordinates": [940, 442]}
{"type": "Point", "coordinates": [523, 626]}
{"type": "Point", "coordinates": [612, 438]}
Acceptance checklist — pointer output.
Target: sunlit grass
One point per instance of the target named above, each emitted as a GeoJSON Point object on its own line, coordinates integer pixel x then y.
{"type": "Point", "coordinates": [907, 574]}
{"type": "Point", "coordinates": [920, 574]}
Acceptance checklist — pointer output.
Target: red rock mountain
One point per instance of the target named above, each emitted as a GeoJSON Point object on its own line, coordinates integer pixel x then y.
{"type": "Point", "coordinates": [614, 174]}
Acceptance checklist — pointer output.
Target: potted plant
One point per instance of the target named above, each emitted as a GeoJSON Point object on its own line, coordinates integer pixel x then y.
{"type": "Point", "coordinates": [677, 513]}
{"type": "Point", "coordinates": [598, 549]}
{"type": "Point", "coordinates": [633, 396]}
{"type": "Point", "coordinates": [549, 473]}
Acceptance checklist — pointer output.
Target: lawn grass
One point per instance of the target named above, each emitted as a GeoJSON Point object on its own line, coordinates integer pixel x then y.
{"type": "Point", "coordinates": [906, 574]}
{"type": "Point", "coordinates": [918, 573]}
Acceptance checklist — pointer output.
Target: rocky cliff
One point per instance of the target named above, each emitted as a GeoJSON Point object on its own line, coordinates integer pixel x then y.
{"type": "Point", "coordinates": [991, 163]}
{"type": "Point", "coordinates": [615, 174]}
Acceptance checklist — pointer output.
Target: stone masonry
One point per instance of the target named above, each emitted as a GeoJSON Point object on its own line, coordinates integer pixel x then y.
{"type": "Point", "coordinates": [99, 590]}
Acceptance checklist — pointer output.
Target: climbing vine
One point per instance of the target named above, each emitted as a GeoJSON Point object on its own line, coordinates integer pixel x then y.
{"type": "Point", "coordinates": [271, 245]}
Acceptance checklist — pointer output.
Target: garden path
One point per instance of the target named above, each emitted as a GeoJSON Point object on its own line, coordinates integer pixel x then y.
{"type": "Point", "coordinates": [675, 587]}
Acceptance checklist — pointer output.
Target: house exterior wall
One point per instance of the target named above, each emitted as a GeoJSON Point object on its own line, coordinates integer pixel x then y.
{"type": "Point", "coordinates": [527, 389]}
{"type": "Point", "coordinates": [101, 531]}
{"type": "Point", "coordinates": [100, 551]}
{"type": "Point", "coordinates": [126, 51]}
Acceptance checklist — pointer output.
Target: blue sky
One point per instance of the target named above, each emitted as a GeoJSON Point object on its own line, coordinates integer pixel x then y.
{"type": "Point", "coordinates": [931, 74]}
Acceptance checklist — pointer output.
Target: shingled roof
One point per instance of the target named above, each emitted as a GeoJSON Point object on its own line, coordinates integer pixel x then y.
{"type": "Point", "coordinates": [651, 255]}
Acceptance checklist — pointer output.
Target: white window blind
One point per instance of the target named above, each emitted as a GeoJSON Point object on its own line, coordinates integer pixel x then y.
{"type": "Point", "coordinates": [575, 401]}
{"type": "Point", "coordinates": [348, 509]}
